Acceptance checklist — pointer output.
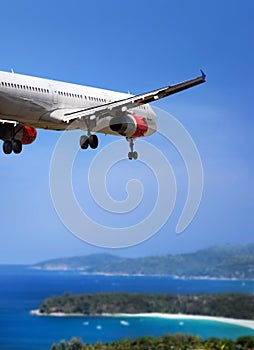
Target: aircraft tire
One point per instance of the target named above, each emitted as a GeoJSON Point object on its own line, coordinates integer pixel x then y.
{"type": "Point", "coordinates": [16, 146]}
{"type": "Point", "coordinates": [133, 155]}
{"type": "Point", "coordinates": [7, 147]}
{"type": "Point", "coordinates": [84, 141]}
{"type": "Point", "coordinates": [130, 155]}
{"type": "Point", "coordinates": [93, 141]}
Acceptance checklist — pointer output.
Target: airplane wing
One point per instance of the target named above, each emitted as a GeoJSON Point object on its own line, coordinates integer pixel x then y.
{"type": "Point", "coordinates": [131, 102]}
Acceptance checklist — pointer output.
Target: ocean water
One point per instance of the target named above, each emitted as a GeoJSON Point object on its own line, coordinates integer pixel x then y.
{"type": "Point", "coordinates": [23, 290]}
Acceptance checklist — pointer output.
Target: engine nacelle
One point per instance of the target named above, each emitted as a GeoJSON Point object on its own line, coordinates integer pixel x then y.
{"type": "Point", "coordinates": [29, 135]}
{"type": "Point", "coordinates": [129, 125]}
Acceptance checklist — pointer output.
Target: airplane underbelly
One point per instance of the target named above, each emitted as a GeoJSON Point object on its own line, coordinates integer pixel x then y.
{"type": "Point", "coordinates": [22, 111]}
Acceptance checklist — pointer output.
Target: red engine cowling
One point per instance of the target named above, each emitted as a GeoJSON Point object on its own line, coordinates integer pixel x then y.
{"type": "Point", "coordinates": [29, 135]}
{"type": "Point", "coordinates": [130, 125]}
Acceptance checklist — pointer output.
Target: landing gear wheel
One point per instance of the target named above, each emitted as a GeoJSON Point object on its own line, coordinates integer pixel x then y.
{"type": "Point", "coordinates": [132, 154]}
{"type": "Point", "coordinates": [93, 141]}
{"type": "Point", "coordinates": [7, 147]}
{"type": "Point", "coordinates": [84, 141]}
{"type": "Point", "coordinates": [16, 146]}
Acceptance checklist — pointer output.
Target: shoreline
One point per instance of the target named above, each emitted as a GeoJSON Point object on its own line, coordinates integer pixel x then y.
{"type": "Point", "coordinates": [55, 314]}
{"type": "Point", "coordinates": [234, 321]}
{"type": "Point", "coordinates": [123, 274]}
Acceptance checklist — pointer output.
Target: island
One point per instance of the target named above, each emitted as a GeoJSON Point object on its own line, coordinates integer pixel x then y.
{"type": "Point", "coordinates": [223, 262]}
{"type": "Point", "coordinates": [229, 305]}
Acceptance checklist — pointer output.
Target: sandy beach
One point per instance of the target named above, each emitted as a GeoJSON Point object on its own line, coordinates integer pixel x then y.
{"type": "Point", "coordinates": [238, 322]}
{"type": "Point", "coordinates": [55, 314]}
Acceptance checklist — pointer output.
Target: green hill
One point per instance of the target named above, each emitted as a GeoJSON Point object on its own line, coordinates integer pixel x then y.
{"type": "Point", "coordinates": [232, 305]}
{"type": "Point", "coordinates": [216, 262]}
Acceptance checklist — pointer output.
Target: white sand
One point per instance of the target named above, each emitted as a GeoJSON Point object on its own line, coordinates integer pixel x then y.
{"type": "Point", "coordinates": [238, 322]}
{"type": "Point", "coordinates": [55, 314]}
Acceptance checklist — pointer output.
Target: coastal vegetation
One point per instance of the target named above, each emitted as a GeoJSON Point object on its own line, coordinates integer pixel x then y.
{"type": "Point", "coordinates": [167, 342]}
{"type": "Point", "coordinates": [226, 261]}
{"type": "Point", "coordinates": [231, 305]}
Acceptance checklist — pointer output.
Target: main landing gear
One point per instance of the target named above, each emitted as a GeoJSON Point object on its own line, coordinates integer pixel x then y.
{"type": "Point", "coordinates": [132, 154]}
{"type": "Point", "coordinates": [12, 145]}
{"type": "Point", "coordinates": [88, 140]}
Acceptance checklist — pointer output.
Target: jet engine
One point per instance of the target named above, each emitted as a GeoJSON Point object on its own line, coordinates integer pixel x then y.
{"type": "Point", "coordinates": [129, 125]}
{"type": "Point", "coordinates": [28, 135]}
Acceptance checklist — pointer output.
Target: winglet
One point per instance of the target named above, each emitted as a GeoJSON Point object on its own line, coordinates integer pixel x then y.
{"type": "Point", "coordinates": [203, 75]}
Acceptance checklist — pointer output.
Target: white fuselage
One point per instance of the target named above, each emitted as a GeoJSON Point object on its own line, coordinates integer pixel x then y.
{"type": "Point", "coordinates": [32, 101]}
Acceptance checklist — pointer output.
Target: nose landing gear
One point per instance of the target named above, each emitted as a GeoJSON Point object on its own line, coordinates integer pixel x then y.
{"type": "Point", "coordinates": [132, 154]}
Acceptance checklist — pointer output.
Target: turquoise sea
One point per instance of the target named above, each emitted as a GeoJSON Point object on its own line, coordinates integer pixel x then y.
{"type": "Point", "coordinates": [23, 290]}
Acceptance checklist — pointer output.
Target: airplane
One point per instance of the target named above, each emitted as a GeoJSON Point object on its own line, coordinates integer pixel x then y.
{"type": "Point", "coordinates": [29, 103]}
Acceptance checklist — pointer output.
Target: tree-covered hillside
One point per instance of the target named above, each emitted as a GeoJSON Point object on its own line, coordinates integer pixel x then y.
{"type": "Point", "coordinates": [232, 305]}
{"type": "Point", "coordinates": [226, 261]}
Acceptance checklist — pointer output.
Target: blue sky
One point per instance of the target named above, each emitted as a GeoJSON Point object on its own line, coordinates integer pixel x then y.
{"type": "Point", "coordinates": [136, 46]}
